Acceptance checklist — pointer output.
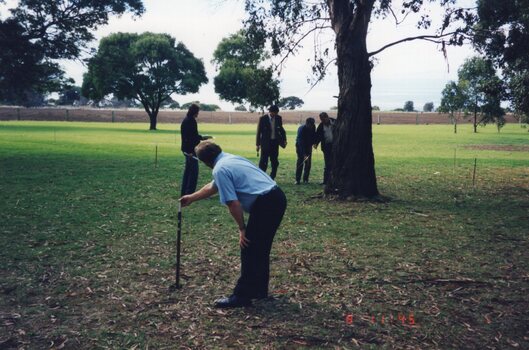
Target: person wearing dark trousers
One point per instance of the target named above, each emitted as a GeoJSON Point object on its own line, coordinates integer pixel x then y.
{"type": "Point", "coordinates": [270, 135]}
{"type": "Point", "coordinates": [306, 137]}
{"type": "Point", "coordinates": [243, 187]}
{"type": "Point", "coordinates": [324, 136]}
{"type": "Point", "coordinates": [190, 138]}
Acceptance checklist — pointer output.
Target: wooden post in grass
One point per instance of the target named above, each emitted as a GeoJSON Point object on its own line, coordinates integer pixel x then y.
{"type": "Point", "coordinates": [455, 152]}
{"type": "Point", "coordinates": [156, 156]}
{"type": "Point", "coordinates": [113, 116]}
{"type": "Point", "coordinates": [67, 114]}
{"type": "Point", "coordinates": [229, 118]}
{"type": "Point", "coordinates": [417, 118]}
{"type": "Point", "coordinates": [378, 123]}
{"type": "Point", "coordinates": [18, 114]}
{"type": "Point", "coordinates": [474, 173]}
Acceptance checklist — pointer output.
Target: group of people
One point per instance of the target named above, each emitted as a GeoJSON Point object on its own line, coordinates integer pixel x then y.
{"type": "Point", "coordinates": [271, 135]}
{"type": "Point", "coordinates": [243, 187]}
{"type": "Point", "coordinates": [307, 138]}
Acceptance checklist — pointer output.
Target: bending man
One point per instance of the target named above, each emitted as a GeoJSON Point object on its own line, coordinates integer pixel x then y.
{"type": "Point", "coordinates": [244, 187]}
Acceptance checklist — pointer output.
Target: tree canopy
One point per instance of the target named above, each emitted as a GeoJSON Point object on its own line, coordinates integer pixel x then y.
{"type": "Point", "coordinates": [147, 67]}
{"type": "Point", "coordinates": [206, 107]}
{"type": "Point", "coordinates": [502, 34]}
{"type": "Point", "coordinates": [241, 77]}
{"type": "Point", "coordinates": [452, 101]}
{"type": "Point", "coordinates": [408, 106]}
{"type": "Point", "coordinates": [428, 107]}
{"type": "Point", "coordinates": [482, 89]}
{"type": "Point", "coordinates": [38, 32]}
{"type": "Point", "coordinates": [290, 102]}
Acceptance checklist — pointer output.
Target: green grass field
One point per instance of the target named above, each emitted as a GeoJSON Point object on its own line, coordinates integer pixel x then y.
{"type": "Point", "coordinates": [88, 226]}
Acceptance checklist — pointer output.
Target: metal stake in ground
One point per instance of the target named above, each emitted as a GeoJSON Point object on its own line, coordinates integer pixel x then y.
{"type": "Point", "coordinates": [178, 239]}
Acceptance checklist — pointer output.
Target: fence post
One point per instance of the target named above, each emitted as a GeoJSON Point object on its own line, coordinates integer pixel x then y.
{"type": "Point", "coordinates": [474, 173]}
{"type": "Point", "coordinates": [229, 118]}
{"type": "Point", "coordinates": [378, 123]}
{"type": "Point", "coordinates": [416, 118]}
{"type": "Point", "coordinates": [67, 114]}
{"type": "Point", "coordinates": [18, 114]}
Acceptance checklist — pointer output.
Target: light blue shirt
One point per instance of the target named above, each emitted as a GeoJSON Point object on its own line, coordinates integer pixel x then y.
{"type": "Point", "coordinates": [236, 178]}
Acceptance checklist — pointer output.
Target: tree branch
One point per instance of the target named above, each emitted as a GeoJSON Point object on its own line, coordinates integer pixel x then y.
{"type": "Point", "coordinates": [293, 46]}
{"type": "Point", "coordinates": [420, 37]}
{"type": "Point", "coordinates": [320, 78]}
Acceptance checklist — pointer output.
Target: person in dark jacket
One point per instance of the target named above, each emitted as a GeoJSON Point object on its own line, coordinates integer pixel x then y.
{"type": "Point", "coordinates": [305, 139]}
{"type": "Point", "coordinates": [324, 136]}
{"type": "Point", "coordinates": [270, 135]}
{"type": "Point", "coordinates": [190, 139]}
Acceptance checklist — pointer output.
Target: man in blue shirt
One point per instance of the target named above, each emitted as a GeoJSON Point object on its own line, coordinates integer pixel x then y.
{"type": "Point", "coordinates": [244, 187]}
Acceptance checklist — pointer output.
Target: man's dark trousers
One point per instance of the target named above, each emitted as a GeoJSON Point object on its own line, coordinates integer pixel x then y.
{"type": "Point", "coordinates": [271, 150]}
{"type": "Point", "coordinates": [303, 163]}
{"type": "Point", "coordinates": [265, 216]}
{"type": "Point", "coordinates": [190, 178]}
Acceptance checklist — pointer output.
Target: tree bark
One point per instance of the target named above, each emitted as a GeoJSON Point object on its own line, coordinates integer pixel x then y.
{"type": "Point", "coordinates": [353, 167]}
{"type": "Point", "coordinates": [153, 119]}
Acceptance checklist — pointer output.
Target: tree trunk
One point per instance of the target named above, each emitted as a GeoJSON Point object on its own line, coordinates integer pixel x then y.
{"type": "Point", "coordinates": [353, 167]}
{"type": "Point", "coordinates": [152, 118]}
{"type": "Point", "coordinates": [152, 113]}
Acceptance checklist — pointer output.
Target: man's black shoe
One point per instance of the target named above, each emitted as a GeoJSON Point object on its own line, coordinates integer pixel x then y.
{"type": "Point", "coordinates": [233, 301]}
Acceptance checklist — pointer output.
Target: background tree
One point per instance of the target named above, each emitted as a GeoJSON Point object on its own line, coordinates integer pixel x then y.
{"type": "Point", "coordinates": [502, 34]}
{"type": "Point", "coordinates": [38, 32]}
{"type": "Point", "coordinates": [482, 89]}
{"type": "Point", "coordinates": [242, 78]}
{"type": "Point", "coordinates": [203, 106]}
{"type": "Point", "coordinates": [170, 103]}
{"type": "Point", "coordinates": [287, 23]}
{"type": "Point", "coordinates": [452, 102]}
{"type": "Point", "coordinates": [241, 108]}
{"type": "Point", "coordinates": [146, 67]}
{"type": "Point", "coordinates": [408, 106]}
{"type": "Point", "coordinates": [290, 102]}
{"type": "Point", "coordinates": [428, 107]}
{"type": "Point", "coordinates": [69, 95]}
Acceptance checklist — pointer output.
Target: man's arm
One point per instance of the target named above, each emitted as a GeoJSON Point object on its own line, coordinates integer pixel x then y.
{"type": "Point", "coordinates": [258, 137]}
{"type": "Point", "coordinates": [318, 136]}
{"type": "Point", "coordinates": [236, 211]}
{"type": "Point", "coordinates": [283, 132]}
{"type": "Point", "coordinates": [205, 192]}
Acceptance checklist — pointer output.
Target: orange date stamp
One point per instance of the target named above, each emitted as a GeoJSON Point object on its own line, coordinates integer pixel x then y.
{"type": "Point", "coordinates": [382, 319]}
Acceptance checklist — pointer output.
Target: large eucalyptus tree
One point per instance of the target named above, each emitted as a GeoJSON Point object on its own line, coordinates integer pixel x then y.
{"type": "Point", "coordinates": [288, 23]}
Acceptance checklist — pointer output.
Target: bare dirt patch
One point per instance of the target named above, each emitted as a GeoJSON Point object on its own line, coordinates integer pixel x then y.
{"type": "Point", "coordinates": [508, 148]}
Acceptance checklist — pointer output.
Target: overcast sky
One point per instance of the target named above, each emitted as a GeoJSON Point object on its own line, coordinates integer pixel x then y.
{"type": "Point", "coordinates": [415, 71]}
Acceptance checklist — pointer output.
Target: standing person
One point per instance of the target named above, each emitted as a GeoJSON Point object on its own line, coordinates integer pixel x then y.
{"type": "Point", "coordinates": [270, 135]}
{"type": "Point", "coordinates": [244, 187]}
{"type": "Point", "coordinates": [190, 138]}
{"type": "Point", "coordinates": [305, 139]}
{"type": "Point", "coordinates": [324, 136]}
